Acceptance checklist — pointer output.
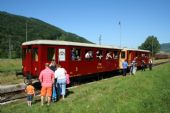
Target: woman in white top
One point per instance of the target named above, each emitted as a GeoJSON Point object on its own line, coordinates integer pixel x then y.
{"type": "Point", "coordinates": [60, 75]}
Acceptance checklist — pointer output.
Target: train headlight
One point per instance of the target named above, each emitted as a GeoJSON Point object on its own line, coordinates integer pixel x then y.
{"type": "Point", "coordinates": [35, 69]}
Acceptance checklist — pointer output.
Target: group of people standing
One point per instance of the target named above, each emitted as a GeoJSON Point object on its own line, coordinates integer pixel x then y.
{"type": "Point", "coordinates": [53, 81]}
{"type": "Point", "coordinates": [133, 66]}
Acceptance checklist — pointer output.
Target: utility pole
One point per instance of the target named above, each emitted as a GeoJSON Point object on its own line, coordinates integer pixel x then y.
{"type": "Point", "coordinates": [100, 38]}
{"type": "Point", "coordinates": [26, 32]}
{"type": "Point", "coordinates": [152, 49]}
{"type": "Point", "coordinates": [9, 48]}
{"type": "Point", "coordinates": [120, 34]}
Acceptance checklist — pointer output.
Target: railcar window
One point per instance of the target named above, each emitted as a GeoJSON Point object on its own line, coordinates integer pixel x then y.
{"type": "Point", "coordinates": [75, 54]}
{"type": "Point", "coordinates": [122, 54]}
{"type": "Point", "coordinates": [115, 54]}
{"type": "Point", "coordinates": [137, 54]}
{"type": "Point", "coordinates": [99, 55]}
{"type": "Point", "coordinates": [147, 55]}
{"type": "Point", "coordinates": [50, 54]}
{"type": "Point", "coordinates": [88, 54]}
{"type": "Point", "coordinates": [35, 54]}
{"type": "Point", "coordinates": [143, 55]}
{"type": "Point", "coordinates": [109, 55]}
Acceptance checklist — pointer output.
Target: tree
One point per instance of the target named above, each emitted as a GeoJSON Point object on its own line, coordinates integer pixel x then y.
{"type": "Point", "coordinates": [151, 44]}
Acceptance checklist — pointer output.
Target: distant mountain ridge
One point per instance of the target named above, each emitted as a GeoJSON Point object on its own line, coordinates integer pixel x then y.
{"type": "Point", "coordinates": [165, 47]}
{"type": "Point", "coordinates": [13, 33]}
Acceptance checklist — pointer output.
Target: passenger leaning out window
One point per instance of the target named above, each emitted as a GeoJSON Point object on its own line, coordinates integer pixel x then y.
{"type": "Point", "coordinates": [73, 54]}
{"type": "Point", "coordinates": [99, 55]}
{"type": "Point", "coordinates": [108, 56]}
{"type": "Point", "coordinates": [89, 55]}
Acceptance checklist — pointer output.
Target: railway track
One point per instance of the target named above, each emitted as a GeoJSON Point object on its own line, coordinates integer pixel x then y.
{"type": "Point", "coordinates": [20, 94]}
{"type": "Point", "coordinates": [5, 97]}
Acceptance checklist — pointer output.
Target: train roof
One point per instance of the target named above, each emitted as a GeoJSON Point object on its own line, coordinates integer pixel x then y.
{"type": "Point", "coordinates": [59, 42]}
{"type": "Point", "coordinates": [141, 50]}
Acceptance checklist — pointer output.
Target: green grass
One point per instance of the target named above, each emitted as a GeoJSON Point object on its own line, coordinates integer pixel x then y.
{"type": "Point", "coordinates": [146, 92]}
{"type": "Point", "coordinates": [160, 60]}
{"type": "Point", "coordinates": [7, 78]}
{"type": "Point", "coordinates": [7, 65]}
{"type": "Point", "coordinates": [8, 68]}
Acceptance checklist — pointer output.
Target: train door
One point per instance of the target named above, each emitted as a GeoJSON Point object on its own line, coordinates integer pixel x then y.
{"type": "Point", "coordinates": [123, 56]}
{"type": "Point", "coordinates": [34, 61]}
{"type": "Point", "coordinates": [51, 54]}
{"type": "Point", "coordinates": [30, 60]}
{"type": "Point", "coordinates": [46, 55]}
{"type": "Point", "coordinates": [26, 60]}
{"type": "Point", "coordinates": [147, 57]}
{"type": "Point", "coordinates": [116, 59]}
{"type": "Point", "coordinates": [129, 57]}
{"type": "Point", "coordinates": [139, 58]}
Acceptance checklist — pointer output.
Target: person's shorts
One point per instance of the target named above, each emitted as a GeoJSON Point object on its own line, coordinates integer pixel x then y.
{"type": "Point", "coordinates": [29, 97]}
{"type": "Point", "coordinates": [46, 91]}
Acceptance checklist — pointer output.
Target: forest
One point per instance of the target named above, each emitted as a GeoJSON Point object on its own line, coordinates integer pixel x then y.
{"type": "Point", "coordinates": [13, 30]}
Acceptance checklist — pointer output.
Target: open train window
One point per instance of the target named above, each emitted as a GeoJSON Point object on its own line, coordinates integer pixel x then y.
{"type": "Point", "coordinates": [88, 54]}
{"type": "Point", "coordinates": [123, 54]}
{"type": "Point", "coordinates": [50, 54]}
{"type": "Point", "coordinates": [143, 55]}
{"type": "Point", "coordinates": [109, 55]}
{"type": "Point", "coordinates": [99, 54]}
{"type": "Point", "coordinates": [137, 54]}
{"type": "Point", "coordinates": [147, 55]}
{"type": "Point", "coordinates": [75, 54]}
{"type": "Point", "coordinates": [115, 55]}
{"type": "Point", "coordinates": [35, 54]}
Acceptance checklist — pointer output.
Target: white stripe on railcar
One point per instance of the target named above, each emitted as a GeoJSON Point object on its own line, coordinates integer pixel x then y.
{"type": "Point", "coordinates": [57, 42]}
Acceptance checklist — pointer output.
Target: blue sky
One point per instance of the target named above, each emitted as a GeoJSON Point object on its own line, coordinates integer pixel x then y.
{"type": "Point", "coordinates": [92, 18]}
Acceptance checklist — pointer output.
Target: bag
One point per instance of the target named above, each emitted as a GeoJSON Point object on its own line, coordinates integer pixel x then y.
{"type": "Point", "coordinates": [67, 79]}
{"type": "Point", "coordinates": [54, 94]}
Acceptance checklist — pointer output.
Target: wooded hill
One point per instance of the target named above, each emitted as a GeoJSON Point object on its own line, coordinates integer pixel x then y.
{"type": "Point", "coordinates": [13, 33]}
{"type": "Point", "coordinates": [165, 47]}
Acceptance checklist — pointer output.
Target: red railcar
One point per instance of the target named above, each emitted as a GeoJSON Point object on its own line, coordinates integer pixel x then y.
{"type": "Point", "coordinates": [137, 54]}
{"type": "Point", "coordinates": [71, 55]}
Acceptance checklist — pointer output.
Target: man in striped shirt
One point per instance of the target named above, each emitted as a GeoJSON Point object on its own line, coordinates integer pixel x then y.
{"type": "Point", "coordinates": [46, 78]}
